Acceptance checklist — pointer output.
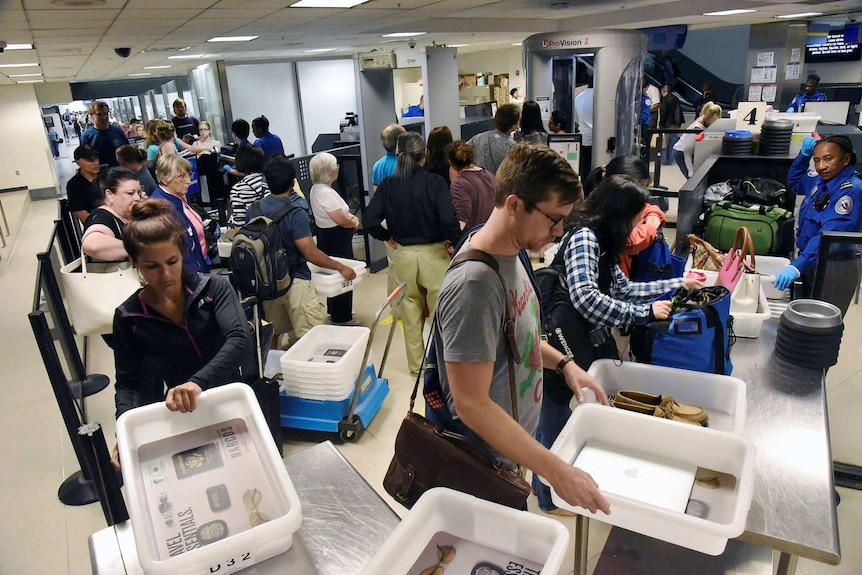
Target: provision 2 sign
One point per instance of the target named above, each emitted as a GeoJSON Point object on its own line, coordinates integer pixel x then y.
{"type": "Point", "coordinates": [566, 42]}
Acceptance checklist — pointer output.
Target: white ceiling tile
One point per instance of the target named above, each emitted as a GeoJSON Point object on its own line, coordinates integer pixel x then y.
{"type": "Point", "coordinates": [236, 14]}
{"type": "Point", "coordinates": [166, 15]}
{"type": "Point", "coordinates": [70, 17]}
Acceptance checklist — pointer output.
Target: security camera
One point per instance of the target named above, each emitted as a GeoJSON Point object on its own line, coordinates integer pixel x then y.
{"type": "Point", "coordinates": [123, 52]}
{"type": "Point", "coordinates": [411, 43]}
{"type": "Point", "coordinates": [2, 46]}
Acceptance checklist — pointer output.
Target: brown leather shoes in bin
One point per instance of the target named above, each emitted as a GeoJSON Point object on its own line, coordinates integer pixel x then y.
{"type": "Point", "coordinates": [663, 406]}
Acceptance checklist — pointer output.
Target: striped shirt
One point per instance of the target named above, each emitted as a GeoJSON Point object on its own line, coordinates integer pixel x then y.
{"type": "Point", "coordinates": [243, 194]}
{"type": "Point", "coordinates": [625, 303]}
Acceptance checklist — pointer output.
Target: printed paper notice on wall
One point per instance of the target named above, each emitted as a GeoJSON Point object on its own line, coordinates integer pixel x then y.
{"type": "Point", "coordinates": [765, 58]}
{"type": "Point", "coordinates": [755, 92]}
{"type": "Point", "coordinates": [766, 75]}
{"type": "Point", "coordinates": [769, 93]}
{"type": "Point", "coordinates": [795, 54]}
{"type": "Point", "coordinates": [792, 71]}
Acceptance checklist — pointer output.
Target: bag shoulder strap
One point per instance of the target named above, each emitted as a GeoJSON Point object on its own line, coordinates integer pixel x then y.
{"type": "Point", "coordinates": [718, 342]}
{"type": "Point", "coordinates": [508, 327]}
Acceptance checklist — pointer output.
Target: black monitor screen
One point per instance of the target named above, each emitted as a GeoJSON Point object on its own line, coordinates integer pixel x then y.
{"type": "Point", "coordinates": [830, 47]}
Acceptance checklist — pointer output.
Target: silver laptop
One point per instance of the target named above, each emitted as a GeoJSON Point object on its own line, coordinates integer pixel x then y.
{"type": "Point", "coordinates": [639, 476]}
{"type": "Point", "coordinates": [830, 112]}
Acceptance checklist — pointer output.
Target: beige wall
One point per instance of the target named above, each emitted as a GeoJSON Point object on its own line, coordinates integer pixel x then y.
{"type": "Point", "coordinates": [507, 61]}
{"type": "Point", "coordinates": [24, 148]}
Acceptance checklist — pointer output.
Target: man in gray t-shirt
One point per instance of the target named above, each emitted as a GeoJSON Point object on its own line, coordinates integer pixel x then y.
{"type": "Point", "coordinates": [492, 146]}
{"type": "Point", "coordinates": [536, 189]}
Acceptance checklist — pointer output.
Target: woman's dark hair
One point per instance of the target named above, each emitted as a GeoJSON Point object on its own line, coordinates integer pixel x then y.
{"type": "Point", "coordinates": [621, 165]}
{"type": "Point", "coordinates": [610, 212]}
{"type": "Point", "coordinates": [260, 122]}
{"type": "Point", "coordinates": [153, 222]}
{"type": "Point", "coordinates": [251, 160]}
{"type": "Point", "coordinates": [460, 155]}
{"type": "Point", "coordinates": [438, 139]}
{"type": "Point", "coordinates": [131, 155]}
{"type": "Point", "coordinates": [842, 142]}
{"type": "Point", "coordinates": [111, 179]}
{"type": "Point", "coordinates": [411, 150]}
{"type": "Point", "coordinates": [559, 118]}
{"type": "Point", "coordinates": [531, 118]}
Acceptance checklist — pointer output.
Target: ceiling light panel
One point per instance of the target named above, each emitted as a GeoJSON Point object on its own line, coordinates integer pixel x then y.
{"type": "Point", "coordinates": [233, 38]}
{"type": "Point", "coordinates": [19, 46]}
{"type": "Point", "coordinates": [403, 34]}
{"type": "Point", "coordinates": [729, 12]}
{"type": "Point", "coordinates": [327, 3]}
{"type": "Point", "coordinates": [800, 15]}
{"type": "Point", "coordinates": [22, 65]}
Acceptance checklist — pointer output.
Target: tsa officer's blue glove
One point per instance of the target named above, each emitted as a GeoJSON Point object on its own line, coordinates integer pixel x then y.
{"type": "Point", "coordinates": [227, 169]}
{"type": "Point", "coordinates": [808, 144]}
{"type": "Point", "coordinates": [786, 277]}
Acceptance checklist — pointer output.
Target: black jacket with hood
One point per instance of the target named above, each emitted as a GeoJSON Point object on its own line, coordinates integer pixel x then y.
{"type": "Point", "coordinates": [214, 346]}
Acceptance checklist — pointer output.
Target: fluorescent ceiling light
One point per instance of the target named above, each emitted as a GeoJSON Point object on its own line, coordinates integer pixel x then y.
{"type": "Point", "coordinates": [728, 12]}
{"type": "Point", "coordinates": [516, 44]}
{"type": "Point", "coordinates": [28, 65]}
{"type": "Point", "coordinates": [30, 81]}
{"type": "Point", "coordinates": [800, 15]}
{"type": "Point", "coordinates": [141, 74]}
{"type": "Point", "coordinates": [233, 38]}
{"type": "Point", "coordinates": [458, 45]}
{"type": "Point", "coordinates": [403, 34]}
{"type": "Point", "coordinates": [24, 75]}
{"type": "Point", "coordinates": [327, 3]}
{"type": "Point", "coordinates": [19, 46]}
{"type": "Point", "coordinates": [188, 56]}
{"type": "Point", "coordinates": [319, 50]}
{"type": "Point", "coordinates": [157, 67]}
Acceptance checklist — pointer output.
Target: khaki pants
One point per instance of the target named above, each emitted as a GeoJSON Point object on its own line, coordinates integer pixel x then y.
{"type": "Point", "coordinates": [300, 309]}
{"type": "Point", "coordinates": [421, 268]}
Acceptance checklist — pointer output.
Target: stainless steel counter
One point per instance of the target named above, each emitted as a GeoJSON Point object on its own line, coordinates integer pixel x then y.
{"type": "Point", "coordinates": [793, 508]}
{"type": "Point", "coordinates": [344, 522]}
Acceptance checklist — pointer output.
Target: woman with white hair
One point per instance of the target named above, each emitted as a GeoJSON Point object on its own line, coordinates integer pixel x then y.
{"type": "Point", "coordinates": [335, 225]}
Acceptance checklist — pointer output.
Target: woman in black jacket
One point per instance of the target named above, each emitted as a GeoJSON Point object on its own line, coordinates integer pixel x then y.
{"type": "Point", "coordinates": [182, 330]}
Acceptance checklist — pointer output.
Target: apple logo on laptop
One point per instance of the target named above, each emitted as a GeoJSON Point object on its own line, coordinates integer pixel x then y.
{"type": "Point", "coordinates": [631, 472]}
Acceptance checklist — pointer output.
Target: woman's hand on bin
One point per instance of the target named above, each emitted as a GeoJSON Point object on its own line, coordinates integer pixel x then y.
{"type": "Point", "coordinates": [183, 398]}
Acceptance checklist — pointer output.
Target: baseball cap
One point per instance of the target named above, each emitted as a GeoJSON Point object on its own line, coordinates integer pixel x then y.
{"type": "Point", "coordinates": [86, 152]}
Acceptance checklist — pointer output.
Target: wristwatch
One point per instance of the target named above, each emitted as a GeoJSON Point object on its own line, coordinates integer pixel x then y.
{"type": "Point", "coordinates": [566, 359]}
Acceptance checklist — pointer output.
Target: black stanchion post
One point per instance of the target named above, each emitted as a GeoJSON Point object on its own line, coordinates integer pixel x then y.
{"type": "Point", "coordinates": [78, 488]}
{"type": "Point", "coordinates": [105, 477]}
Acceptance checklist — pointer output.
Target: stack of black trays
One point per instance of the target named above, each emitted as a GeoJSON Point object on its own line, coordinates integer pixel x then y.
{"type": "Point", "coordinates": [736, 143]}
{"type": "Point", "coordinates": [775, 137]}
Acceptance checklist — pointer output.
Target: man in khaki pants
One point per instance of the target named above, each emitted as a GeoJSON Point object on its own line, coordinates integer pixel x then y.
{"type": "Point", "coordinates": [300, 308]}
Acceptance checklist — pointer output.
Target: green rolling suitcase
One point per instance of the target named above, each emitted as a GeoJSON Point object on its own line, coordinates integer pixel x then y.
{"type": "Point", "coordinates": [771, 227]}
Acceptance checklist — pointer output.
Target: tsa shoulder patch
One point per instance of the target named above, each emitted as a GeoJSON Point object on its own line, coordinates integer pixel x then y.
{"type": "Point", "coordinates": [844, 205]}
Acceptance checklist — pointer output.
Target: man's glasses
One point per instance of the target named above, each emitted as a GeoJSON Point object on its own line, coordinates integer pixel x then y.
{"type": "Point", "coordinates": [554, 221]}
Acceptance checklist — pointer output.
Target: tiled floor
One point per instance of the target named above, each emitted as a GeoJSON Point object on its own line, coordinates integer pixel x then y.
{"type": "Point", "coordinates": [38, 535]}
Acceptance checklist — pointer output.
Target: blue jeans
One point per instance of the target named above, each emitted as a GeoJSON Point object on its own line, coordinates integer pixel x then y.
{"type": "Point", "coordinates": [552, 418]}
{"type": "Point", "coordinates": [667, 153]}
{"type": "Point", "coordinates": [679, 158]}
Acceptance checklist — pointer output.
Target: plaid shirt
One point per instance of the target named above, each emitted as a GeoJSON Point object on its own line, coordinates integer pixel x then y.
{"type": "Point", "coordinates": [623, 306]}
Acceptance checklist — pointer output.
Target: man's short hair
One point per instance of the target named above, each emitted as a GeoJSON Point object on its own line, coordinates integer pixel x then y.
{"type": "Point", "coordinates": [389, 136]}
{"type": "Point", "coordinates": [279, 174]}
{"type": "Point", "coordinates": [96, 105]}
{"type": "Point", "coordinates": [507, 117]}
{"type": "Point", "coordinates": [534, 172]}
{"type": "Point", "coordinates": [241, 129]}
{"type": "Point", "coordinates": [178, 102]}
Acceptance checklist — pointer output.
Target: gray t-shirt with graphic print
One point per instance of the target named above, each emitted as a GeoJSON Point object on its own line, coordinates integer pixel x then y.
{"type": "Point", "coordinates": [470, 315]}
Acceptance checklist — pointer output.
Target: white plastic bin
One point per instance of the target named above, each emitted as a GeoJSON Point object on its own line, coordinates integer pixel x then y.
{"type": "Point", "coordinates": [722, 396]}
{"type": "Point", "coordinates": [707, 449]}
{"type": "Point", "coordinates": [330, 283]}
{"type": "Point", "coordinates": [768, 267]}
{"type": "Point", "coordinates": [206, 488]}
{"type": "Point", "coordinates": [299, 365]}
{"type": "Point", "coordinates": [477, 530]}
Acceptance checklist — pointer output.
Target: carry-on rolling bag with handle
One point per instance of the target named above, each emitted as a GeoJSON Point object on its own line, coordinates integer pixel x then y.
{"type": "Point", "coordinates": [266, 389]}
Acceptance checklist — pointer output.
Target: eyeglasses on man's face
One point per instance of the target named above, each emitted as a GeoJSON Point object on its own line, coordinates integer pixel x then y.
{"type": "Point", "coordinates": [555, 221]}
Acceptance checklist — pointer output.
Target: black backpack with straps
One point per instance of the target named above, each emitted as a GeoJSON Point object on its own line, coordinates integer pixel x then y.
{"type": "Point", "coordinates": [567, 330]}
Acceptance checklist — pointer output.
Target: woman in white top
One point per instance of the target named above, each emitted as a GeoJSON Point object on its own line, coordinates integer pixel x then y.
{"type": "Point", "coordinates": [683, 150]}
{"type": "Point", "coordinates": [335, 227]}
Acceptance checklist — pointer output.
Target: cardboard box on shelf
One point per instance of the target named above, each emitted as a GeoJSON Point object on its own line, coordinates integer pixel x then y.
{"type": "Point", "coordinates": [468, 79]}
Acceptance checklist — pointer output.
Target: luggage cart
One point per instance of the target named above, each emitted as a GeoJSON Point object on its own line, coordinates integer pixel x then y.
{"type": "Point", "coordinates": [348, 417]}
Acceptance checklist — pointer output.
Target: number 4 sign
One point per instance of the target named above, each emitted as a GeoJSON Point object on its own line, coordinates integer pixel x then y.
{"type": "Point", "coordinates": [750, 116]}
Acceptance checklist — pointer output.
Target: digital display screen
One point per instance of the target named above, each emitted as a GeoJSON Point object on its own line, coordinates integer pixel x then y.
{"type": "Point", "coordinates": [830, 46]}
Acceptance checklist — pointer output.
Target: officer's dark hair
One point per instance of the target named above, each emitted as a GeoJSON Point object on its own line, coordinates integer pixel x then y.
{"type": "Point", "coordinates": [814, 78]}
{"type": "Point", "coordinates": [240, 128]}
{"type": "Point", "coordinates": [261, 122]}
{"type": "Point", "coordinates": [279, 174]}
{"type": "Point", "coordinates": [842, 142]}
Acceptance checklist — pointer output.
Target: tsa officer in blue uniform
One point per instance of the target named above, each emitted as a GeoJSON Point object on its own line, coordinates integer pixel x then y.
{"type": "Point", "coordinates": [833, 202]}
{"type": "Point", "coordinates": [809, 94]}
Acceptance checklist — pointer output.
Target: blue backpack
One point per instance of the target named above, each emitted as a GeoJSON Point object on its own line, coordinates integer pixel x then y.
{"type": "Point", "coordinates": [697, 336]}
